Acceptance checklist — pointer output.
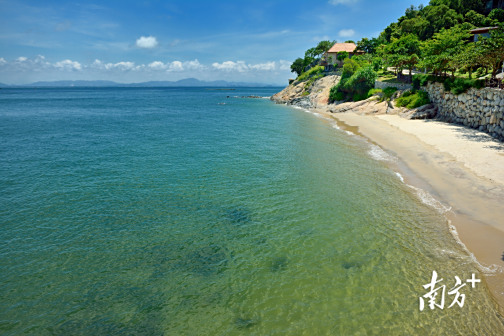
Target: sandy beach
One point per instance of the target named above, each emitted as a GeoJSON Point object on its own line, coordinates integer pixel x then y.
{"type": "Point", "coordinates": [461, 167]}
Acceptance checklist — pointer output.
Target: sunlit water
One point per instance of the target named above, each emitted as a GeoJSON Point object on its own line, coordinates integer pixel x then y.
{"type": "Point", "coordinates": [183, 212]}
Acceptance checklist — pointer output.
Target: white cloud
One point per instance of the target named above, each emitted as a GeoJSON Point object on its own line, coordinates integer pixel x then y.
{"type": "Point", "coordinates": [346, 33]}
{"type": "Point", "coordinates": [176, 66]}
{"type": "Point", "coordinates": [121, 66]}
{"type": "Point", "coordinates": [193, 65]}
{"type": "Point", "coordinates": [157, 65]}
{"type": "Point", "coordinates": [239, 66]}
{"type": "Point", "coordinates": [68, 65]}
{"type": "Point", "coordinates": [343, 2]}
{"type": "Point", "coordinates": [2, 61]}
{"type": "Point", "coordinates": [268, 66]}
{"type": "Point", "coordinates": [147, 42]}
{"type": "Point", "coordinates": [21, 59]}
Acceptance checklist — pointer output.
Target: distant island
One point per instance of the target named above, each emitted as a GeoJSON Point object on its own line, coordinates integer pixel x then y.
{"type": "Point", "coordinates": [187, 82]}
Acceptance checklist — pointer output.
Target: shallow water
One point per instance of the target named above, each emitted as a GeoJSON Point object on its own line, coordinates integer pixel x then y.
{"type": "Point", "coordinates": [183, 212]}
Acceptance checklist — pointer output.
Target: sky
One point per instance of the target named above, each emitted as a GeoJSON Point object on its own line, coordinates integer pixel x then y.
{"type": "Point", "coordinates": [137, 41]}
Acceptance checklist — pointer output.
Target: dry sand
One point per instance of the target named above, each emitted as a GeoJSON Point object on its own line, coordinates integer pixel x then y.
{"type": "Point", "coordinates": [461, 167]}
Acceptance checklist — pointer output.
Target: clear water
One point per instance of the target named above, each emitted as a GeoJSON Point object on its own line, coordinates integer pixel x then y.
{"type": "Point", "coordinates": [166, 212]}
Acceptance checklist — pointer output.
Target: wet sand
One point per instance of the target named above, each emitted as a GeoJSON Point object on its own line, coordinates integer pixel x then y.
{"type": "Point", "coordinates": [461, 167]}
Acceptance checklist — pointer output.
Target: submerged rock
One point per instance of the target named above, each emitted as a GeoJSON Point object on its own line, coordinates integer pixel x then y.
{"type": "Point", "coordinates": [244, 323]}
{"type": "Point", "coordinates": [238, 216]}
{"type": "Point", "coordinates": [279, 264]}
{"type": "Point", "coordinates": [209, 260]}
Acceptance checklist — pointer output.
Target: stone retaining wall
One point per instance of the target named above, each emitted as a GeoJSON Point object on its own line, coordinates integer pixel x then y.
{"type": "Point", "coordinates": [399, 86]}
{"type": "Point", "coordinates": [482, 109]}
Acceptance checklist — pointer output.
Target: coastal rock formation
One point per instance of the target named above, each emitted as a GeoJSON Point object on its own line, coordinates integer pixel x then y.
{"type": "Point", "coordinates": [481, 109]}
{"type": "Point", "coordinates": [427, 111]}
{"type": "Point", "coordinates": [368, 106]}
{"type": "Point", "coordinates": [307, 95]}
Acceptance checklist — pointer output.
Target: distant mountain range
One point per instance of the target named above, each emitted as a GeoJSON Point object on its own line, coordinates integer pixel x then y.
{"type": "Point", "coordinates": [188, 82]}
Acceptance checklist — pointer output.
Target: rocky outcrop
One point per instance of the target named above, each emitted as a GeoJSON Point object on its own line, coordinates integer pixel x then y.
{"type": "Point", "coordinates": [428, 111]}
{"type": "Point", "coordinates": [288, 94]}
{"type": "Point", "coordinates": [306, 95]}
{"type": "Point", "coordinates": [368, 106]}
{"type": "Point", "coordinates": [481, 109]}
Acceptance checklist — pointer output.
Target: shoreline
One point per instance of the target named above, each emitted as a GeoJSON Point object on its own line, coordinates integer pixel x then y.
{"type": "Point", "coordinates": [459, 166]}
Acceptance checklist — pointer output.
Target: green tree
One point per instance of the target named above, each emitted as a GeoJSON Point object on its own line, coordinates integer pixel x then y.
{"type": "Point", "coordinates": [369, 46]}
{"type": "Point", "coordinates": [392, 31]}
{"type": "Point", "coordinates": [440, 51]}
{"type": "Point", "coordinates": [298, 66]}
{"type": "Point", "coordinates": [342, 55]}
{"type": "Point", "coordinates": [310, 53]}
{"type": "Point", "coordinates": [470, 57]}
{"type": "Point", "coordinates": [497, 15]}
{"type": "Point", "coordinates": [476, 19]}
{"type": "Point", "coordinates": [465, 6]}
{"type": "Point", "coordinates": [322, 47]}
{"type": "Point", "coordinates": [403, 53]}
{"type": "Point", "coordinates": [439, 17]}
{"type": "Point", "coordinates": [417, 25]}
{"type": "Point", "coordinates": [493, 49]}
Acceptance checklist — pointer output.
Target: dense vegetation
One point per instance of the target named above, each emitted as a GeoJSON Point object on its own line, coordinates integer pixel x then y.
{"type": "Point", "coordinates": [434, 39]}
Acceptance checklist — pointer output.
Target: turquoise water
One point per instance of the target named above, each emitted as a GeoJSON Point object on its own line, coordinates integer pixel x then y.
{"type": "Point", "coordinates": [182, 212]}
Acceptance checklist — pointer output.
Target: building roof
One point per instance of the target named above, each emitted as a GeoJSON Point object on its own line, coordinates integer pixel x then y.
{"type": "Point", "coordinates": [339, 47]}
{"type": "Point", "coordinates": [482, 30]}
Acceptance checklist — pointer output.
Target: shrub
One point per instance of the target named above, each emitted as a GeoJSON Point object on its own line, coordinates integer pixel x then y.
{"type": "Point", "coordinates": [374, 92]}
{"type": "Point", "coordinates": [388, 92]}
{"type": "Point", "coordinates": [461, 85]}
{"type": "Point", "coordinates": [359, 96]}
{"type": "Point", "coordinates": [362, 81]}
{"type": "Point", "coordinates": [313, 71]}
{"type": "Point", "coordinates": [355, 87]}
{"type": "Point", "coordinates": [420, 80]}
{"type": "Point", "coordinates": [377, 63]}
{"type": "Point", "coordinates": [350, 66]}
{"type": "Point", "coordinates": [412, 100]}
{"type": "Point", "coordinates": [335, 94]}
{"type": "Point", "coordinates": [456, 86]}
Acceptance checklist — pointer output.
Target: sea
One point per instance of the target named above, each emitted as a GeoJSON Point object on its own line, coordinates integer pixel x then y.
{"type": "Point", "coordinates": [197, 211]}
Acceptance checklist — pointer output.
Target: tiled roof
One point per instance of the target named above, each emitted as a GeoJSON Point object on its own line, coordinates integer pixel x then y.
{"type": "Point", "coordinates": [482, 30]}
{"type": "Point", "coordinates": [339, 47]}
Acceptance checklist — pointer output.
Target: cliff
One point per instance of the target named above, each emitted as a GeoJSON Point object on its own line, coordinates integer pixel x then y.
{"type": "Point", "coordinates": [307, 94]}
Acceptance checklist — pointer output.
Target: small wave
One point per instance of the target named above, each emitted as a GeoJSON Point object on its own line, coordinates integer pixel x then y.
{"type": "Point", "coordinates": [428, 199]}
{"type": "Point", "coordinates": [487, 270]}
{"type": "Point", "coordinates": [400, 176]}
{"type": "Point", "coordinates": [316, 114]}
{"type": "Point", "coordinates": [379, 154]}
{"type": "Point", "coordinates": [300, 108]}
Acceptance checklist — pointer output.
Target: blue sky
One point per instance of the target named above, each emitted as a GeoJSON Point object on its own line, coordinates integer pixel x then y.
{"type": "Point", "coordinates": [135, 41]}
